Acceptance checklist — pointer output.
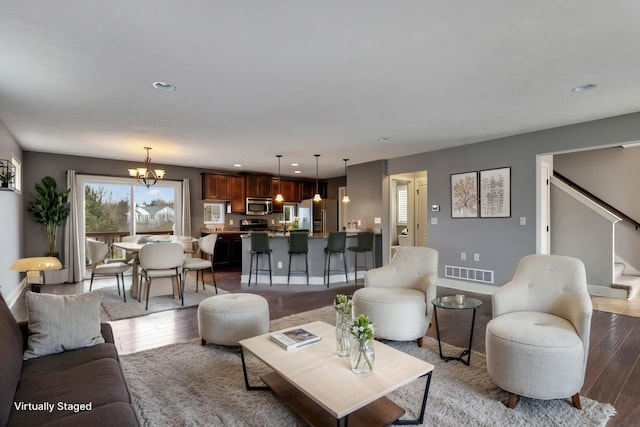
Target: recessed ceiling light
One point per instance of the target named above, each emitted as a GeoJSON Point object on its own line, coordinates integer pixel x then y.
{"type": "Point", "coordinates": [167, 87]}
{"type": "Point", "coordinates": [237, 165]}
{"type": "Point", "coordinates": [294, 164]}
{"type": "Point", "coordinates": [297, 171]}
{"type": "Point", "coordinates": [584, 87]}
{"type": "Point", "coordinates": [384, 139]}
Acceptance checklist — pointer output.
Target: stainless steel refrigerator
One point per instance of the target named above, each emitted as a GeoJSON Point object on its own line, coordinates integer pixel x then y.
{"type": "Point", "coordinates": [319, 217]}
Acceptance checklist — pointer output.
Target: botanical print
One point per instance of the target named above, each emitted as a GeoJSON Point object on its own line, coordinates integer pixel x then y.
{"type": "Point", "coordinates": [495, 193]}
{"type": "Point", "coordinates": [464, 195]}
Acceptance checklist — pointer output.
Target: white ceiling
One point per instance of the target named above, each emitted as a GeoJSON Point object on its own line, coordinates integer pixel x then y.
{"type": "Point", "coordinates": [260, 78]}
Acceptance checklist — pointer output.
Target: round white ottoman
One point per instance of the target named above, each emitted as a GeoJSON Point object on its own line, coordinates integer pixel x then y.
{"type": "Point", "coordinates": [229, 318]}
{"type": "Point", "coordinates": [398, 313]}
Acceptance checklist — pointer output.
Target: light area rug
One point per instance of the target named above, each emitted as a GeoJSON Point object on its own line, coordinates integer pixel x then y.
{"type": "Point", "coordinates": [114, 307]}
{"type": "Point", "coordinates": [192, 385]}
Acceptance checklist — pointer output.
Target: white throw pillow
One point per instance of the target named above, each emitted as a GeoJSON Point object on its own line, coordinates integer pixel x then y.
{"type": "Point", "coordinates": [62, 322]}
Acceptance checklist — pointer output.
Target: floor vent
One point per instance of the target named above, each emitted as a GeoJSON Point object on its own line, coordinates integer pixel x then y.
{"type": "Point", "coordinates": [466, 273]}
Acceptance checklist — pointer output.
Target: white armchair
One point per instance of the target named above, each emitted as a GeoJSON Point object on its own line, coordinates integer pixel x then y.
{"type": "Point", "coordinates": [538, 340]}
{"type": "Point", "coordinates": [397, 296]}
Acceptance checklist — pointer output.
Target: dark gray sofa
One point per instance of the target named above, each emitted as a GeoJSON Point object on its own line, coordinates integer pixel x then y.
{"type": "Point", "coordinates": [64, 381]}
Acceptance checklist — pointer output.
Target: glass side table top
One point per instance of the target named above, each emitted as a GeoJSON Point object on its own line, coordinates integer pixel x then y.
{"type": "Point", "coordinates": [449, 301]}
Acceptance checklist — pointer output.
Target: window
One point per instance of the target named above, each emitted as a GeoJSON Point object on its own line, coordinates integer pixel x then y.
{"type": "Point", "coordinates": [17, 180]}
{"type": "Point", "coordinates": [113, 207]}
{"type": "Point", "coordinates": [402, 204]}
{"type": "Point", "coordinates": [214, 213]}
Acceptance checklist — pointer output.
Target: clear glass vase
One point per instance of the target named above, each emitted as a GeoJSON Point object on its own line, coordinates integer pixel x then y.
{"type": "Point", "coordinates": [343, 336]}
{"type": "Point", "coordinates": [362, 356]}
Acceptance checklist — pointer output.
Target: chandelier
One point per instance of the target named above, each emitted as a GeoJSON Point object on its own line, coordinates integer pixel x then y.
{"type": "Point", "coordinates": [146, 175]}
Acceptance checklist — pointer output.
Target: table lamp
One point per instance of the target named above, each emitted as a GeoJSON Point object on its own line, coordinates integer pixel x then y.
{"type": "Point", "coordinates": [34, 266]}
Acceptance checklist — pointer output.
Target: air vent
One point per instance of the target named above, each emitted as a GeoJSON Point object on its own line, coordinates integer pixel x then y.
{"type": "Point", "coordinates": [466, 273]}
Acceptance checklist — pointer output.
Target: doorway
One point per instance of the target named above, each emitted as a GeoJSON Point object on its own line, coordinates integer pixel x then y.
{"type": "Point", "coordinates": [408, 209]}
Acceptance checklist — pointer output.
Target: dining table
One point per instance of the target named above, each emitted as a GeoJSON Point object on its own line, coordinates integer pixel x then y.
{"type": "Point", "coordinates": [133, 248]}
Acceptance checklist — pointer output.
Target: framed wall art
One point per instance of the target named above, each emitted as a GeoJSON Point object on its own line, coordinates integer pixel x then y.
{"type": "Point", "coordinates": [495, 193]}
{"type": "Point", "coordinates": [464, 195]}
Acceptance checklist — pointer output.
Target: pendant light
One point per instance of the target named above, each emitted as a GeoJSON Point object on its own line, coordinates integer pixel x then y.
{"type": "Point", "coordinates": [345, 198]}
{"type": "Point", "coordinates": [279, 197]}
{"type": "Point", "coordinates": [316, 197]}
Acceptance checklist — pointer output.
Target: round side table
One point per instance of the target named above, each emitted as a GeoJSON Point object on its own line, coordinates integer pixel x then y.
{"type": "Point", "coordinates": [449, 302]}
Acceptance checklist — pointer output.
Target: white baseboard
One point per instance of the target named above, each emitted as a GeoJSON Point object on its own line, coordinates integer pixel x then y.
{"type": "Point", "coordinates": [607, 292]}
{"type": "Point", "coordinates": [478, 288]}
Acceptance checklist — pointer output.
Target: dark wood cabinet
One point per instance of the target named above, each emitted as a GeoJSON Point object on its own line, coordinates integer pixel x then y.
{"type": "Point", "coordinates": [290, 192]}
{"type": "Point", "coordinates": [258, 186]}
{"type": "Point", "coordinates": [215, 187]}
{"type": "Point", "coordinates": [307, 189]}
{"type": "Point", "coordinates": [228, 250]}
{"type": "Point", "coordinates": [236, 185]}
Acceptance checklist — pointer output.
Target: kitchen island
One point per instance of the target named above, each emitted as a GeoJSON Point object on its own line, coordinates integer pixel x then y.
{"type": "Point", "coordinates": [279, 244]}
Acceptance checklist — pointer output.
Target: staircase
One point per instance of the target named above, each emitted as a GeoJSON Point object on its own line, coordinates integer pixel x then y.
{"type": "Point", "coordinates": [627, 282]}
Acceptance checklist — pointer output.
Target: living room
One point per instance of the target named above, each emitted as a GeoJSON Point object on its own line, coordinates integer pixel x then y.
{"type": "Point", "coordinates": [543, 129]}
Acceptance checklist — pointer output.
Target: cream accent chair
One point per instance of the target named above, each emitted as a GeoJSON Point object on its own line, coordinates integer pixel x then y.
{"type": "Point", "coordinates": [206, 245]}
{"type": "Point", "coordinates": [538, 340]}
{"type": "Point", "coordinates": [397, 296]}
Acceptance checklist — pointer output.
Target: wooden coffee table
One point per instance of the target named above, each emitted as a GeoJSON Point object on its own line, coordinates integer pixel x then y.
{"type": "Point", "coordinates": [321, 388]}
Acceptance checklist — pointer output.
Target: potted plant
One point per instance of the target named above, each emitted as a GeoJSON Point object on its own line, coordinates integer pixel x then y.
{"type": "Point", "coordinates": [50, 208]}
{"type": "Point", "coordinates": [5, 179]}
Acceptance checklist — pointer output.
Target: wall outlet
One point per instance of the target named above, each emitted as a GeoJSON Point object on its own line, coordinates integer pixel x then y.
{"type": "Point", "coordinates": [476, 257]}
{"type": "Point", "coordinates": [359, 223]}
{"type": "Point", "coordinates": [230, 222]}
{"type": "Point", "coordinates": [463, 255]}
{"type": "Point", "coordinates": [280, 264]}
{"type": "Point", "coordinates": [377, 220]}
{"type": "Point", "coordinates": [434, 220]}
{"type": "Point", "coordinates": [273, 221]}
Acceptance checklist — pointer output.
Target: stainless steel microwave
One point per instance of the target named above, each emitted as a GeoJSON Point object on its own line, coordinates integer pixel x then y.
{"type": "Point", "coordinates": [262, 206]}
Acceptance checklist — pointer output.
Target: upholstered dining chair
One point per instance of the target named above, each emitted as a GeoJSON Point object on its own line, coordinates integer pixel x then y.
{"type": "Point", "coordinates": [206, 245]}
{"type": "Point", "coordinates": [538, 340]}
{"type": "Point", "coordinates": [96, 254]}
{"type": "Point", "coordinates": [397, 296]}
{"type": "Point", "coordinates": [161, 260]}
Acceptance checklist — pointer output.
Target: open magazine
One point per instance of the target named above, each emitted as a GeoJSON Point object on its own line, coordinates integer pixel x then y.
{"type": "Point", "coordinates": [294, 338]}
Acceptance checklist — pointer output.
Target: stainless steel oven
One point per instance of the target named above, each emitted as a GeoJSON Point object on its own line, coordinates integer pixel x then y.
{"type": "Point", "coordinates": [255, 206]}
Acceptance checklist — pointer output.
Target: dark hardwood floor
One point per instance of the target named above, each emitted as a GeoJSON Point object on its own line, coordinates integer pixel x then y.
{"type": "Point", "coordinates": [613, 369]}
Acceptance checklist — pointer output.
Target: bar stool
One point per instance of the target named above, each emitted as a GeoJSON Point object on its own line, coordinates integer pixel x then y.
{"type": "Point", "coordinates": [259, 246]}
{"type": "Point", "coordinates": [364, 245]}
{"type": "Point", "coordinates": [299, 245]}
{"type": "Point", "coordinates": [335, 245]}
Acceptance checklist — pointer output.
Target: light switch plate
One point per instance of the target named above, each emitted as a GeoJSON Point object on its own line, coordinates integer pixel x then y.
{"type": "Point", "coordinates": [523, 220]}
{"type": "Point", "coordinates": [434, 220]}
{"type": "Point", "coordinates": [230, 222]}
{"type": "Point", "coordinates": [377, 220]}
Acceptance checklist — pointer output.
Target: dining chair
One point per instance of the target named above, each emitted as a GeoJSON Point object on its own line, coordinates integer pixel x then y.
{"type": "Point", "coordinates": [161, 260]}
{"type": "Point", "coordinates": [207, 246]}
{"type": "Point", "coordinates": [96, 253]}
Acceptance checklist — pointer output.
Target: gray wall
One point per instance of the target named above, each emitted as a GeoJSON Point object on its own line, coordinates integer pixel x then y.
{"type": "Point", "coordinates": [502, 242]}
{"type": "Point", "coordinates": [578, 231]}
{"type": "Point", "coordinates": [612, 174]}
{"type": "Point", "coordinates": [10, 219]}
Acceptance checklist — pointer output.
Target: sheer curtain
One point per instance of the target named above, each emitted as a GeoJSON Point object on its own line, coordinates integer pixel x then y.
{"type": "Point", "coordinates": [186, 208]}
{"type": "Point", "coordinates": [73, 233]}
